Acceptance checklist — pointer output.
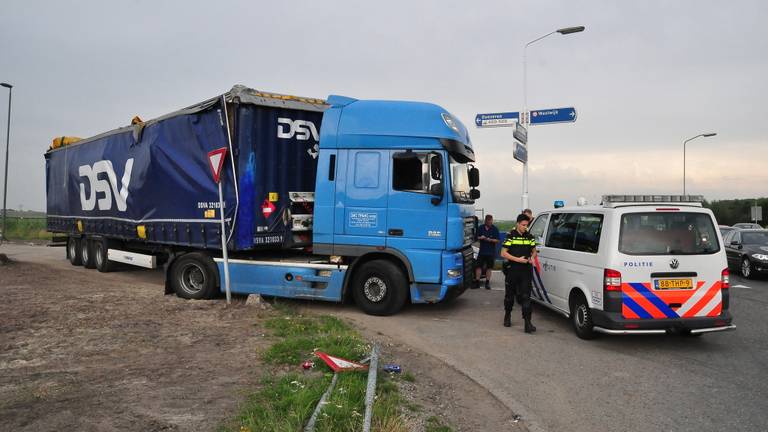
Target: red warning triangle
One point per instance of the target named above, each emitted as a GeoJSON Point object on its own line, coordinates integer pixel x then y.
{"type": "Point", "coordinates": [339, 364]}
{"type": "Point", "coordinates": [216, 161]}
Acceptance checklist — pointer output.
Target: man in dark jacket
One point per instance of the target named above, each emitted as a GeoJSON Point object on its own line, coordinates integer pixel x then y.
{"type": "Point", "coordinates": [488, 235]}
{"type": "Point", "coordinates": [518, 251]}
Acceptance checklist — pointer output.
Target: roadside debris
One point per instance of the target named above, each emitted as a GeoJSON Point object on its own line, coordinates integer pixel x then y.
{"type": "Point", "coordinates": [392, 368]}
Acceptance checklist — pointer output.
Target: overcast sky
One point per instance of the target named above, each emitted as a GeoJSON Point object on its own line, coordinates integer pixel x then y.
{"type": "Point", "coordinates": [644, 76]}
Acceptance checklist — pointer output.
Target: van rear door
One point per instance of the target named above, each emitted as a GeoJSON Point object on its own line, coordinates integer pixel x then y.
{"type": "Point", "coordinates": [671, 264]}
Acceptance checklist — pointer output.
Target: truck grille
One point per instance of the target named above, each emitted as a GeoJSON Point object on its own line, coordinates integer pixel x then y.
{"type": "Point", "coordinates": [469, 231]}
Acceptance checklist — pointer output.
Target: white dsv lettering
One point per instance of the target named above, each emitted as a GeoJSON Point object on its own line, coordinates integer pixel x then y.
{"type": "Point", "coordinates": [108, 186]}
{"type": "Point", "coordinates": [301, 129]}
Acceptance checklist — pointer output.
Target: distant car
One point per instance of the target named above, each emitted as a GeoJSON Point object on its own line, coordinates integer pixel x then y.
{"type": "Point", "coordinates": [747, 251]}
{"type": "Point", "coordinates": [747, 225]}
{"type": "Point", "coordinates": [725, 229]}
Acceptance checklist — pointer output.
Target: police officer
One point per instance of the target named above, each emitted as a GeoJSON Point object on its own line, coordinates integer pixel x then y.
{"type": "Point", "coordinates": [518, 251]}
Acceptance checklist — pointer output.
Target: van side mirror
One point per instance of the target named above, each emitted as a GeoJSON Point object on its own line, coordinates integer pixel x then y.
{"type": "Point", "coordinates": [474, 194]}
{"type": "Point", "coordinates": [734, 242]}
{"type": "Point", "coordinates": [436, 190]}
{"type": "Point", "coordinates": [474, 177]}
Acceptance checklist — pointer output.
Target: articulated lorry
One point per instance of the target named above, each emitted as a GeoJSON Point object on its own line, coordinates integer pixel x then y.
{"type": "Point", "coordinates": [323, 199]}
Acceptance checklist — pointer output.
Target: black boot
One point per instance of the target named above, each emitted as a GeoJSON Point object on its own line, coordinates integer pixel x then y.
{"type": "Point", "coordinates": [507, 319]}
{"type": "Point", "coordinates": [529, 328]}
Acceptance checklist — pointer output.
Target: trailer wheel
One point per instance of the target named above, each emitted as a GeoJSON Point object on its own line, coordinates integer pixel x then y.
{"type": "Point", "coordinates": [100, 256]}
{"type": "Point", "coordinates": [194, 276]}
{"type": "Point", "coordinates": [581, 318]}
{"type": "Point", "coordinates": [73, 251]}
{"type": "Point", "coordinates": [380, 288]}
{"type": "Point", "coordinates": [86, 253]}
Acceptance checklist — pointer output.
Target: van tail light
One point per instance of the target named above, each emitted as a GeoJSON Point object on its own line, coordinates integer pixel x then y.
{"type": "Point", "coordinates": [725, 282]}
{"type": "Point", "coordinates": [611, 280]}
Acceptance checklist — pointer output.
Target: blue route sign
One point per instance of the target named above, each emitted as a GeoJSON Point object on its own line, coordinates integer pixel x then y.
{"type": "Point", "coordinates": [501, 119]}
{"type": "Point", "coordinates": [554, 115]}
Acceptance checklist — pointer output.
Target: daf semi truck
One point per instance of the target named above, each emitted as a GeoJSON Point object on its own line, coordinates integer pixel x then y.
{"type": "Point", "coordinates": [323, 199]}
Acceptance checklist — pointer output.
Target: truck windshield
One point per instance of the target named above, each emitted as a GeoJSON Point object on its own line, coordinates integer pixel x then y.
{"type": "Point", "coordinates": [657, 233]}
{"type": "Point", "coordinates": [459, 181]}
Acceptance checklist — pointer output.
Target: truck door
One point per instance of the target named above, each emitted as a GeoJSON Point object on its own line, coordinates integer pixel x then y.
{"type": "Point", "coordinates": [365, 203]}
{"type": "Point", "coordinates": [416, 221]}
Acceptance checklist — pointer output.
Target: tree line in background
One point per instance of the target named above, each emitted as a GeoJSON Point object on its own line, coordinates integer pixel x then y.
{"type": "Point", "coordinates": [729, 212]}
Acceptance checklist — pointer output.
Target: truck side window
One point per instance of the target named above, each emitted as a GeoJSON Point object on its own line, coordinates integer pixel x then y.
{"type": "Point", "coordinates": [411, 172]}
{"type": "Point", "coordinates": [367, 170]}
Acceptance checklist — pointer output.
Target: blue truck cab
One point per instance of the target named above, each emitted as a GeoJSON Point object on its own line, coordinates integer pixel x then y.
{"type": "Point", "coordinates": [375, 205]}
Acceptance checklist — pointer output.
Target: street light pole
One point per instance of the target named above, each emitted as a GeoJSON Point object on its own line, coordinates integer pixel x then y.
{"type": "Point", "coordinates": [7, 145]}
{"type": "Point", "coordinates": [526, 117]}
{"type": "Point", "coordinates": [710, 134]}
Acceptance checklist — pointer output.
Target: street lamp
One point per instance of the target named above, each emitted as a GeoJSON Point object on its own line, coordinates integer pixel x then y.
{"type": "Point", "coordinates": [710, 134]}
{"type": "Point", "coordinates": [7, 144]}
{"type": "Point", "coordinates": [527, 118]}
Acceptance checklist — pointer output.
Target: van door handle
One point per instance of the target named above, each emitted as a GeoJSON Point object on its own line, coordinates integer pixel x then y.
{"type": "Point", "coordinates": [395, 232]}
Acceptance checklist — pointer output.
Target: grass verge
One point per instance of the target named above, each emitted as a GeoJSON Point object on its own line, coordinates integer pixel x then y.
{"type": "Point", "coordinates": [288, 394]}
{"type": "Point", "coordinates": [26, 229]}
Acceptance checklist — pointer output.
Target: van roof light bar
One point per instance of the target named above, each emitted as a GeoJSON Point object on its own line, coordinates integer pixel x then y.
{"type": "Point", "coordinates": [651, 199]}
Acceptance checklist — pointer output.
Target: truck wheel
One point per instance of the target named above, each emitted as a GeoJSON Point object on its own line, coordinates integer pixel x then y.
{"type": "Point", "coordinates": [581, 318]}
{"type": "Point", "coordinates": [194, 276]}
{"type": "Point", "coordinates": [73, 251]}
{"type": "Point", "coordinates": [379, 288]}
{"type": "Point", "coordinates": [86, 253]}
{"type": "Point", "coordinates": [100, 256]}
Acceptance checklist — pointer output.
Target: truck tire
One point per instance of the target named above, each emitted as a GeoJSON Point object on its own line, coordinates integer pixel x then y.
{"type": "Point", "coordinates": [100, 256]}
{"type": "Point", "coordinates": [194, 276]}
{"type": "Point", "coordinates": [86, 253]}
{"type": "Point", "coordinates": [379, 288]}
{"type": "Point", "coordinates": [73, 251]}
{"type": "Point", "coordinates": [581, 318]}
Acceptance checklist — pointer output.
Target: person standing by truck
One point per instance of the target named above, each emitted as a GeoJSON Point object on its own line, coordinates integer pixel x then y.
{"type": "Point", "coordinates": [488, 235]}
{"type": "Point", "coordinates": [518, 251]}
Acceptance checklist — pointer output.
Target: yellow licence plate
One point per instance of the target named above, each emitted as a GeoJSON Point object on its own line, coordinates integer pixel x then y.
{"type": "Point", "coordinates": [673, 284]}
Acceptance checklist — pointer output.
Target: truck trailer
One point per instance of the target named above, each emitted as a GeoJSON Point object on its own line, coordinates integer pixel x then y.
{"type": "Point", "coordinates": [323, 199]}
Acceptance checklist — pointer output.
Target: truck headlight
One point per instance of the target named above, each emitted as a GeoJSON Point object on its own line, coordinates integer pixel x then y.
{"type": "Point", "coordinates": [761, 257]}
{"type": "Point", "coordinates": [454, 273]}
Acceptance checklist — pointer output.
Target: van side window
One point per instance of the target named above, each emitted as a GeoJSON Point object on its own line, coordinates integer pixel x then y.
{"type": "Point", "coordinates": [575, 231]}
{"type": "Point", "coordinates": [410, 172]}
{"type": "Point", "coordinates": [537, 228]}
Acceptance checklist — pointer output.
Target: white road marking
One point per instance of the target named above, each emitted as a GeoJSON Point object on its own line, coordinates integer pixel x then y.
{"type": "Point", "coordinates": [741, 286]}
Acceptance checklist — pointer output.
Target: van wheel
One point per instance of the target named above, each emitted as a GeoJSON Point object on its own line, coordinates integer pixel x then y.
{"type": "Point", "coordinates": [86, 252]}
{"type": "Point", "coordinates": [73, 251]}
{"type": "Point", "coordinates": [746, 268]}
{"type": "Point", "coordinates": [379, 288]}
{"type": "Point", "coordinates": [100, 256]}
{"type": "Point", "coordinates": [581, 318]}
{"type": "Point", "coordinates": [194, 276]}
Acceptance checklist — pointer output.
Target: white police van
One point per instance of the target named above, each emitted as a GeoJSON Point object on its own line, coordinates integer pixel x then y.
{"type": "Point", "coordinates": [636, 264]}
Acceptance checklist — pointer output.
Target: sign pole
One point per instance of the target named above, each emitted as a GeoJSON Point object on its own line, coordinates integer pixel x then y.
{"type": "Point", "coordinates": [224, 246]}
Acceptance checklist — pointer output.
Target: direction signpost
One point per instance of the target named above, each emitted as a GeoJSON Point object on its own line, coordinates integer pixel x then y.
{"type": "Point", "coordinates": [502, 119]}
{"type": "Point", "coordinates": [216, 162]}
{"type": "Point", "coordinates": [553, 115]}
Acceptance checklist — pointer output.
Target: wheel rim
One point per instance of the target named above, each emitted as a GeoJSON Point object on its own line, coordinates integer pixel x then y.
{"type": "Point", "coordinates": [84, 250]}
{"type": "Point", "coordinates": [192, 278]}
{"type": "Point", "coordinates": [745, 268]}
{"type": "Point", "coordinates": [72, 249]}
{"type": "Point", "coordinates": [98, 251]}
{"type": "Point", "coordinates": [374, 289]}
{"type": "Point", "coordinates": [581, 315]}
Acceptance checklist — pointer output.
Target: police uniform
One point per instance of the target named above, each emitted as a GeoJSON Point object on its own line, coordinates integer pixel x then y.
{"type": "Point", "coordinates": [517, 281]}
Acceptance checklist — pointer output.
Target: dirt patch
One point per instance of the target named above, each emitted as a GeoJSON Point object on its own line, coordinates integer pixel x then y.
{"type": "Point", "coordinates": [84, 351]}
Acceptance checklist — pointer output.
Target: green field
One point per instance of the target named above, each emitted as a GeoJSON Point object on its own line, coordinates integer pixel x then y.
{"type": "Point", "coordinates": [22, 228]}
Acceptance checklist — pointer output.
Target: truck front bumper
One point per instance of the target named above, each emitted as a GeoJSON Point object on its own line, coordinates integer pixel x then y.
{"type": "Point", "coordinates": [613, 323]}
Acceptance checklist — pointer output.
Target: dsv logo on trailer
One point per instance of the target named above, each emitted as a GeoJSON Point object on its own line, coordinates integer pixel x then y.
{"type": "Point", "coordinates": [301, 129]}
{"type": "Point", "coordinates": [108, 186]}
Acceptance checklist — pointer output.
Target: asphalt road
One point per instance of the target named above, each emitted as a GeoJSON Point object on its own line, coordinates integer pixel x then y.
{"type": "Point", "coordinates": [558, 382]}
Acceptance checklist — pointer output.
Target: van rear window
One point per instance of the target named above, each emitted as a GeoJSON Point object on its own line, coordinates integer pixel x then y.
{"type": "Point", "coordinates": [658, 233]}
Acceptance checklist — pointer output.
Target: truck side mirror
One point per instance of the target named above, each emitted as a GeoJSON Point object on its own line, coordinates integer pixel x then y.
{"type": "Point", "coordinates": [734, 242]}
{"type": "Point", "coordinates": [437, 191]}
{"type": "Point", "coordinates": [436, 166]}
{"type": "Point", "coordinates": [474, 177]}
{"type": "Point", "coordinates": [474, 194]}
